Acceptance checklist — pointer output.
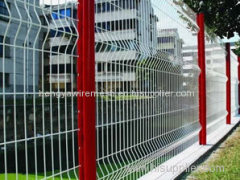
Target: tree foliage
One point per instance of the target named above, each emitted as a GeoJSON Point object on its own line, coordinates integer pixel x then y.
{"type": "Point", "coordinates": [221, 16]}
{"type": "Point", "coordinates": [237, 50]}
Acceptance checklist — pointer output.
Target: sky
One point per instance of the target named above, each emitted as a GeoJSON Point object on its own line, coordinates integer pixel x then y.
{"type": "Point", "coordinates": [233, 39]}
{"type": "Point", "coordinates": [169, 18]}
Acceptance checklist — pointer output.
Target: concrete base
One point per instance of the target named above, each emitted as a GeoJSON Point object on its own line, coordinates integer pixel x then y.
{"type": "Point", "coordinates": [180, 163]}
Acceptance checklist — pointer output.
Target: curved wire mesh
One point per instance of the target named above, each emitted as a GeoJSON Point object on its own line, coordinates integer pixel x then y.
{"type": "Point", "coordinates": [37, 119]}
{"type": "Point", "coordinates": [215, 82]}
{"type": "Point", "coordinates": [146, 81]}
{"type": "Point", "coordinates": [141, 71]}
{"type": "Point", "coordinates": [234, 84]}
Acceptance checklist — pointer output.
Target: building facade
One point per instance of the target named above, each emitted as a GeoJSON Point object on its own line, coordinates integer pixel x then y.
{"type": "Point", "coordinates": [125, 32]}
{"type": "Point", "coordinates": [19, 44]}
{"type": "Point", "coordinates": [170, 42]}
{"type": "Point", "coordinates": [60, 62]}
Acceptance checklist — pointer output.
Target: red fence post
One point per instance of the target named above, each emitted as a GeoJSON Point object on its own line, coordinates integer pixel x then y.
{"type": "Point", "coordinates": [228, 88]}
{"type": "Point", "coordinates": [239, 84]}
{"type": "Point", "coordinates": [86, 84]}
{"type": "Point", "coordinates": [202, 80]}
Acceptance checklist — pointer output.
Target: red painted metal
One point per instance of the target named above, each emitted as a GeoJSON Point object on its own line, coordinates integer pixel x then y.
{"type": "Point", "coordinates": [86, 84]}
{"type": "Point", "coordinates": [202, 80]}
{"type": "Point", "coordinates": [228, 88]}
{"type": "Point", "coordinates": [239, 84]}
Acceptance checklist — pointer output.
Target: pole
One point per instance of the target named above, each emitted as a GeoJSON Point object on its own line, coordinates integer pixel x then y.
{"type": "Point", "coordinates": [202, 80]}
{"type": "Point", "coordinates": [228, 88]}
{"type": "Point", "coordinates": [85, 84]}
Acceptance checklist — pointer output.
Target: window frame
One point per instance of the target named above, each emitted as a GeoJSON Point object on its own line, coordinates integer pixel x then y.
{"type": "Point", "coordinates": [4, 10]}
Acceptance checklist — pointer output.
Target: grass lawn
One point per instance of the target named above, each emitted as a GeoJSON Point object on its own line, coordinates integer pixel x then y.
{"type": "Point", "coordinates": [223, 164]}
{"type": "Point", "coordinates": [105, 169]}
{"type": "Point", "coordinates": [65, 176]}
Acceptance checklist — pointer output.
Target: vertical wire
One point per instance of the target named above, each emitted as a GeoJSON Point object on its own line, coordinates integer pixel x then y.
{"type": "Point", "coordinates": [25, 54]}
{"type": "Point", "coordinates": [14, 90]}
{"type": "Point", "coordinates": [72, 86]}
{"type": "Point", "coordinates": [58, 90]}
{"type": "Point", "coordinates": [34, 88]}
{"type": "Point", "coordinates": [65, 83]}
{"type": "Point", "coordinates": [43, 89]}
{"type": "Point", "coordinates": [4, 102]}
{"type": "Point", "coordinates": [51, 89]}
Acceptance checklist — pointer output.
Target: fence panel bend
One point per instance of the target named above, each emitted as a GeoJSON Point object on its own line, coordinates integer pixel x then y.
{"type": "Point", "coordinates": [147, 84]}
{"type": "Point", "coordinates": [234, 84]}
{"type": "Point", "coordinates": [146, 79]}
{"type": "Point", "coordinates": [215, 83]}
{"type": "Point", "coordinates": [38, 120]}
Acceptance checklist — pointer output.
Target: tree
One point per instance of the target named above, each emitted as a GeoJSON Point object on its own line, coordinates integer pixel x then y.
{"type": "Point", "coordinates": [221, 16]}
{"type": "Point", "coordinates": [237, 50]}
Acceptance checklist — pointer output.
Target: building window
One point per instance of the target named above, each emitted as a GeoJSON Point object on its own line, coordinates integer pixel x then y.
{"type": "Point", "coordinates": [115, 6]}
{"type": "Point", "coordinates": [100, 67]}
{"type": "Point", "coordinates": [170, 51]}
{"type": "Point", "coordinates": [1, 46]}
{"type": "Point", "coordinates": [125, 24]}
{"type": "Point", "coordinates": [62, 49]}
{"type": "Point", "coordinates": [113, 46]}
{"type": "Point", "coordinates": [61, 14]}
{"type": "Point", "coordinates": [166, 39]}
{"type": "Point", "coordinates": [6, 77]}
{"type": "Point", "coordinates": [62, 69]}
{"type": "Point", "coordinates": [4, 10]}
{"type": "Point", "coordinates": [4, 45]}
{"type": "Point", "coordinates": [62, 31]}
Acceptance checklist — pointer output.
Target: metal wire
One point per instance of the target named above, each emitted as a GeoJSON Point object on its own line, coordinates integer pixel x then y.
{"type": "Point", "coordinates": [139, 53]}
{"type": "Point", "coordinates": [234, 84]}
{"type": "Point", "coordinates": [38, 60]}
{"type": "Point", "coordinates": [215, 82]}
{"type": "Point", "coordinates": [146, 82]}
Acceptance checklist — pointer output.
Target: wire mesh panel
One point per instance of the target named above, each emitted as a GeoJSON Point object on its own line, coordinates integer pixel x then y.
{"type": "Point", "coordinates": [215, 82]}
{"type": "Point", "coordinates": [147, 101]}
{"type": "Point", "coordinates": [234, 84]}
{"type": "Point", "coordinates": [38, 112]}
{"type": "Point", "coordinates": [146, 86]}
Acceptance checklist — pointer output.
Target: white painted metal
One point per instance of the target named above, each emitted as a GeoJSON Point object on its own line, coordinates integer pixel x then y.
{"type": "Point", "coordinates": [38, 129]}
{"type": "Point", "coordinates": [215, 83]}
{"type": "Point", "coordinates": [140, 55]}
{"type": "Point", "coordinates": [146, 82]}
{"type": "Point", "coordinates": [234, 84]}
